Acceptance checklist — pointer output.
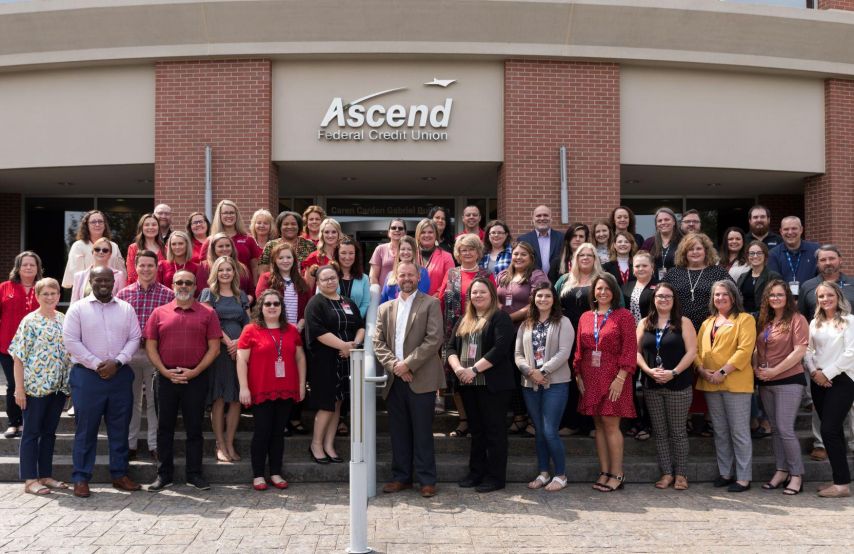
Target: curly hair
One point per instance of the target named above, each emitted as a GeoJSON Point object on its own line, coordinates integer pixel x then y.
{"type": "Point", "coordinates": [688, 242]}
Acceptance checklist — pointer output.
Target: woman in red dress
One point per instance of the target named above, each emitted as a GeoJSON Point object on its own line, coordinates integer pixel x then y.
{"type": "Point", "coordinates": [604, 359]}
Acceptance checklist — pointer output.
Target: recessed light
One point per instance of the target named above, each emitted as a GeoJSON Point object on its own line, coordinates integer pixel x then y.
{"type": "Point", "coordinates": [348, 179]}
{"type": "Point", "coordinates": [38, 207]}
{"type": "Point", "coordinates": [145, 181]}
{"type": "Point", "coordinates": [428, 178]}
{"type": "Point", "coordinates": [65, 184]}
{"type": "Point", "coordinates": [713, 185]}
{"type": "Point", "coordinates": [120, 199]}
{"type": "Point", "coordinates": [632, 181]}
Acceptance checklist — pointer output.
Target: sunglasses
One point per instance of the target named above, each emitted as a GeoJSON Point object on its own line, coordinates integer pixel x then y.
{"type": "Point", "coordinates": [275, 304]}
{"type": "Point", "coordinates": [181, 283]}
{"type": "Point", "coordinates": [397, 228]}
{"type": "Point", "coordinates": [101, 250]}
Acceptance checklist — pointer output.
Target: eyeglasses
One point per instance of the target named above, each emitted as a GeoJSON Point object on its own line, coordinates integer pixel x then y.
{"type": "Point", "coordinates": [328, 279]}
{"type": "Point", "coordinates": [664, 297]}
{"type": "Point", "coordinates": [197, 222]}
{"type": "Point", "coordinates": [96, 222]}
{"type": "Point", "coordinates": [101, 250]}
{"type": "Point", "coordinates": [275, 304]}
{"type": "Point", "coordinates": [755, 254]}
{"type": "Point", "coordinates": [777, 295]}
{"type": "Point", "coordinates": [181, 283]}
{"type": "Point", "coordinates": [497, 233]}
{"type": "Point", "coordinates": [397, 228]}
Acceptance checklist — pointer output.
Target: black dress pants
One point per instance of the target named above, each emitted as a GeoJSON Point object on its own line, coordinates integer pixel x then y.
{"type": "Point", "coordinates": [190, 400]}
{"type": "Point", "coordinates": [487, 419]}
{"type": "Point", "coordinates": [832, 405]}
{"type": "Point", "coordinates": [411, 427]}
{"type": "Point", "coordinates": [268, 440]}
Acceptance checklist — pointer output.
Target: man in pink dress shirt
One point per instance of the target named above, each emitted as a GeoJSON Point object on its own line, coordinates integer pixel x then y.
{"type": "Point", "coordinates": [101, 333]}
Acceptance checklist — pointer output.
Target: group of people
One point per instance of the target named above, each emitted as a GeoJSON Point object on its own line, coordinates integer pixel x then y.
{"type": "Point", "coordinates": [572, 332]}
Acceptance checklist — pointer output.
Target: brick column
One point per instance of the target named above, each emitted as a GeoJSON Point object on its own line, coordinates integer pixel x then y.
{"type": "Point", "coordinates": [226, 104]}
{"type": "Point", "coordinates": [829, 198]}
{"type": "Point", "coordinates": [10, 230]}
{"type": "Point", "coordinates": [552, 103]}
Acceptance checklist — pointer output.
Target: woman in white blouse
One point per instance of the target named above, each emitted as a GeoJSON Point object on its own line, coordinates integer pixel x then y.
{"type": "Point", "coordinates": [93, 226]}
{"type": "Point", "coordinates": [830, 360]}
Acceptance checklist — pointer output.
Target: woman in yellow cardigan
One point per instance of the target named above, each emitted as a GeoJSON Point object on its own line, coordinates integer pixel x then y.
{"type": "Point", "coordinates": [725, 346]}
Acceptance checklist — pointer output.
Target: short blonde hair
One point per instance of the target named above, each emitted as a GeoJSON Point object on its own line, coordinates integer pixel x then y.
{"type": "Point", "coordinates": [47, 283]}
{"type": "Point", "coordinates": [468, 240]}
{"type": "Point", "coordinates": [262, 214]}
{"type": "Point", "coordinates": [688, 241]}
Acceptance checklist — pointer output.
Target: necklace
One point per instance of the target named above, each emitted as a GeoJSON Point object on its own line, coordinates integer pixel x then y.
{"type": "Point", "coordinates": [693, 286]}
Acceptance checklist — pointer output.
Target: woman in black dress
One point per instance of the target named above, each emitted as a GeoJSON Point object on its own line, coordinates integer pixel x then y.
{"type": "Point", "coordinates": [334, 327]}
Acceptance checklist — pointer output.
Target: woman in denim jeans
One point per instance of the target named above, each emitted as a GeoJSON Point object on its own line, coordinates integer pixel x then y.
{"type": "Point", "coordinates": [543, 344]}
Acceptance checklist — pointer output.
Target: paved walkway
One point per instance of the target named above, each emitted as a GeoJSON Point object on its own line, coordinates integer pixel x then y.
{"type": "Point", "coordinates": [313, 518]}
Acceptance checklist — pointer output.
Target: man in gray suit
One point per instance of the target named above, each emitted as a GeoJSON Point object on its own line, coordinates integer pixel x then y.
{"type": "Point", "coordinates": [406, 342]}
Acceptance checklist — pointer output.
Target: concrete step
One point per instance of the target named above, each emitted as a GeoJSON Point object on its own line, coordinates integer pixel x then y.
{"type": "Point", "coordinates": [442, 423]}
{"type": "Point", "coordinates": [450, 468]}
{"type": "Point", "coordinates": [522, 446]}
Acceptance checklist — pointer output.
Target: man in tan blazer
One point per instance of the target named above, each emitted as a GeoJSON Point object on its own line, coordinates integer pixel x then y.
{"type": "Point", "coordinates": [406, 342]}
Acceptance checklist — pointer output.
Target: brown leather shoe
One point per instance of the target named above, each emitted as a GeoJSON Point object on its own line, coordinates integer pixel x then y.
{"type": "Point", "coordinates": [81, 489]}
{"type": "Point", "coordinates": [126, 484]}
{"type": "Point", "coordinates": [428, 491]}
{"type": "Point", "coordinates": [818, 454]}
{"type": "Point", "coordinates": [396, 486]}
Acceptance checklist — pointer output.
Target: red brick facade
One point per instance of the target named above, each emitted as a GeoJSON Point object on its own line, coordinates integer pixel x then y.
{"type": "Point", "coordinates": [829, 198]}
{"type": "Point", "coordinates": [836, 5]}
{"type": "Point", "coordinates": [10, 230]}
{"type": "Point", "coordinates": [782, 205]}
{"type": "Point", "coordinates": [548, 104]}
{"type": "Point", "coordinates": [226, 104]}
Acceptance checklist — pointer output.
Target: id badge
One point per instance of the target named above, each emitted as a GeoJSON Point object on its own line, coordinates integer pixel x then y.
{"type": "Point", "coordinates": [472, 350]}
{"type": "Point", "coordinates": [347, 309]}
{"type": "Point", "coordinates": [794, 286]}
{"type": "Point", "coordinates": [280, 369]}
{"type": "Point", "coordinates": [661, 273]}
{"type": "Point", "coordinates": [508, 300]}
{"type": "Point", "coordinates": [596, 358]}
{"type": "Point", "coordinates": [539, 358]}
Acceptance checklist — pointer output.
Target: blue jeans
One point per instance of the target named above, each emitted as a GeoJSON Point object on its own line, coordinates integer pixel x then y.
{"type": "Point", "coordinates": [39, 436]}
{"type": "Point", "coordinates": [545, 406]}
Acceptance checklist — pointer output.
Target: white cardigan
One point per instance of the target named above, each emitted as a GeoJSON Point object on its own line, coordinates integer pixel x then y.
{"type": "Point", "coordinates": [831, 349]}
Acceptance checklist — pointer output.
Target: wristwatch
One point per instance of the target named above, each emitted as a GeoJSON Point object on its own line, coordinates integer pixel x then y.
{"type": "Point", "coordinates": [474, 370]}
{"type": "Point", "coordinates": [722, 372]}
{"type": "Point", "coordinates": [675, 373]}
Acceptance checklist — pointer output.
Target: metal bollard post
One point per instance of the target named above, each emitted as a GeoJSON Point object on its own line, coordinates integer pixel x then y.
{"type": "Point", "coordinates": [360, 387]}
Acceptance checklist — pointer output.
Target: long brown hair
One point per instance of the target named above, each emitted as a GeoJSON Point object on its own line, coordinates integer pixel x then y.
{"type": "Point", "coordinates": [533, 316]}
{"type": "Point", "coordinates": [83, 230]}
{"type": "Point", "coordinates": [651, 320]}
{"type": "Point", "coordinates": [766, 312]}
{"type": "Point", "coordinates": [470, 322]}
{"type": "Point", "coordinates": [139, 239]}
{"type": "Point", "coordinates": [508, 275]}
{"type": "Point", "coordinates": [277, 282]}
{"type": "Point", "coordinates": [258, 310]}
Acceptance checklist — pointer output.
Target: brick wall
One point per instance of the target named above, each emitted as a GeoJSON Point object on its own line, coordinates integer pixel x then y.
{"type": "Point", "coordinates": [10, 230]}
{"type": "Point", "coordinates": [548, 104]}
{"type": "Point", "coordinates": [782, 205]}
{"type": "Point", "coordinates": [225, 104]}
{"type": "Point", "coordinates": [836, 5]}
{"type": "Point", "coordinates": [829, 198]}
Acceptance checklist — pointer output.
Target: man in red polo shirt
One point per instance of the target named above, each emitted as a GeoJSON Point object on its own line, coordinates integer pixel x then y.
{"type": "Point", "coordinates": [181, 340]}
{"type": "Point", "coordinates": [471, 221]}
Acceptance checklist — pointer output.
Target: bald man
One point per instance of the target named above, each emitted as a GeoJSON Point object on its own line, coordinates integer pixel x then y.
{"type": "Point", "coordinates": [546, 242]}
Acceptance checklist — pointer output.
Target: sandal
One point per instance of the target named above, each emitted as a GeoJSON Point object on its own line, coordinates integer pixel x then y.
{"type": "Point", "coordinates": [789, 491]}
{"type": "Point", "coordinates": [540, 482]}
{"type": "Point", "coordinates": [36, 488]}
{"type": "Point", "coordinates": [681, 483]}
{"type": "Point", "coordinates": [557, 483]}
{"type": "Point", "coordinates": [708, 431]}
{"type": "Point", "coordinates": [52, 483]}
{"type": "Point", "coordinates": [769, 486]}
{"type": "Point", "coordinates": [642, 435]}
{"type": "Point", "coordinates": [458, 432]}
{"type": "Point", "coordinates": [518, 426]}
{"type": "Point", "coordinates": [530, 431]}
{"type": "Point", "coordinates": [665, 481]}
{"type": "Point", "coordinates": [599, 486]}
{"type": "Point", "coordinates": [609, 488]}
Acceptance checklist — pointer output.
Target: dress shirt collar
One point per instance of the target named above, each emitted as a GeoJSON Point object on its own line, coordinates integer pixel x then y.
{"type": "Point", "coordinates": [91, 298]}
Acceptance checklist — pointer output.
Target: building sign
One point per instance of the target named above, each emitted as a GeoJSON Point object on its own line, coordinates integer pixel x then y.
{"type": "Point", "coordinates": [359, 120]}
{"type": "Point", "coordinates": [365, 207]}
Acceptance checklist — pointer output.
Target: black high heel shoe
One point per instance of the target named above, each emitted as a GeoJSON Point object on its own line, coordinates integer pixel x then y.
{"type": "Point", "coordinates": [609, 488]}
{"type": "Point", "coordinates": [322, 461]}
{"type": "Point", "coordinates": [788, 491]}
{"type": "Point", "coordinates": [333, 459]}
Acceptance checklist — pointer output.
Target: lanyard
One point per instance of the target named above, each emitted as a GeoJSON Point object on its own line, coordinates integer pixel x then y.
{"type": "Point", "coordinates": [659, 334]}
{"type": "Point", "coordinates": [277, 344]}
{"type": "Point", "coordinates": [596, 326]}
{"type": "Point", "coordinates": [664, 256]}
{"type": "Point", "coordinates": [794, 267]}
{"type": "Point", "coordinates": [767, 333]}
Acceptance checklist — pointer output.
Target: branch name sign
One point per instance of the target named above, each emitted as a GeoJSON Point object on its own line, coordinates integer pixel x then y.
{"type": "Point", "coordinates": [358, 120]}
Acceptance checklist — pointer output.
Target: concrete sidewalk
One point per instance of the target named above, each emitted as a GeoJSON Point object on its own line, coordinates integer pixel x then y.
{"type": "Point", "coordinates": [313, 518]}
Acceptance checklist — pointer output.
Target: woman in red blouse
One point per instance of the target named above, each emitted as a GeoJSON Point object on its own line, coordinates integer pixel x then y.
{"type": "Point", "coordinates": [271, 373]}
{"type": "Point", "coordinates": [217, 246]}
{"type": "Point", "coordinates": [330, 235]}
{"type": "Point", "coordinates": [604, 358]}
{"type": "Point", "coordinates": [147, 238]}
{"type": "Point", "coordinates": [17, 299]}
{"type": "Point", "coordinates": [198, 228]}
{"type": "Point", "coordinates": [179, 252]}
{"type": "Point", "coordinates": [227, 220]}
